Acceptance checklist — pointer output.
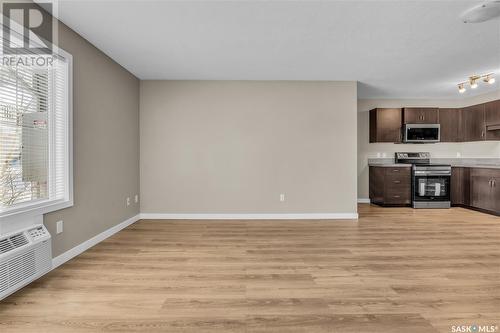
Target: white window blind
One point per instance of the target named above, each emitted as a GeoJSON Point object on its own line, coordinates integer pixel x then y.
{"type": "Point", "coordinates": [35, 137]}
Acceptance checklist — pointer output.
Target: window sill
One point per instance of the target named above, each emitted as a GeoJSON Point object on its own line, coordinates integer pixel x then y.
{"type": "Point", "coordinates": [24, 217]}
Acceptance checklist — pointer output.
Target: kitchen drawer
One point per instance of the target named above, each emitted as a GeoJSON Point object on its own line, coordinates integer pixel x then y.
{"type": "Point", "coordinates": [397, 195]}
{"type": "Point", "coordinates": [397, 183]}
{"type": "Point", "coordinates": [397, 178]}
{"type": "Point", "coordinates": [397, 171]}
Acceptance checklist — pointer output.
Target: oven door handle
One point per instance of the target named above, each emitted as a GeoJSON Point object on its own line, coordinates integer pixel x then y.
{"type": "Point", "coordinates": [432, 173]}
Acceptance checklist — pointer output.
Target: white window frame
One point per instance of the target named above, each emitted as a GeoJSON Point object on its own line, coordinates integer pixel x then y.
{"type": "Point", "coordinates": [31, 210]}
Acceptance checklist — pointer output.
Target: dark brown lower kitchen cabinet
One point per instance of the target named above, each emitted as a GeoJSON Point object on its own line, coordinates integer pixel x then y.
{"type": "Point", "coordinates": [492, 115]}
{"type": "Point", "coordinates": [385, 125]}
{"type": "Point", "coordinates": [460, 186]}
{"type": "Point", "coordinates": [485, 189]}
{"type": "Point", "coordinates": [390, 186]}
{"type": "Point", "coordinates": [450, 121]}
{"type": "Point", "coordinates": [473, 123]}
{"type": "Point", "coordinates": [496, 192]}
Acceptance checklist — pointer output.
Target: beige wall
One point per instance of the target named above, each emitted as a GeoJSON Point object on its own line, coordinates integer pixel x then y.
{"type": "Point", "coordinates": [233, 147]}
{"type": "Point", "coordinates": [368, 150]}
{"type": "Point", "coordinates": [106, 145]}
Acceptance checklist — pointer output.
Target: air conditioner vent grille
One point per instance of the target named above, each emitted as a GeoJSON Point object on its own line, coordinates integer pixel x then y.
{"type": "Point", "coordinates": [13, 242]}
{"type": "Point", "coordinates": [19, 240]}
{"type": "Point", "coordinates": [23, 258]}
{"type": "Point", "coordinates": [22, 267]}
{"type": "Point", "coordinates": [5, 245]}
{"type": "Point", "coordinates": [4, 277]}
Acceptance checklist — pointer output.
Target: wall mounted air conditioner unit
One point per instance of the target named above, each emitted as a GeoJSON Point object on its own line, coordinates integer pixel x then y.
{"type": "Point", "coordinates": [25, 255]}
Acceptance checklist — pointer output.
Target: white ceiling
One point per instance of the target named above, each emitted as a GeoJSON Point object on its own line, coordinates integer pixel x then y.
{"type": "Point", "coordinates": [395, 49]}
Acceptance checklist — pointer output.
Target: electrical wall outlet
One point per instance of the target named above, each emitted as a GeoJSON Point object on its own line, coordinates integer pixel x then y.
{"type": "Point", "coordinates": [59, 227]}
{"type": "Point", "coordinates": [136, 198]}
{"type": "Point", "coordinates": [282, 197]}
{"type": "Point", "coordinates": [128, 201]}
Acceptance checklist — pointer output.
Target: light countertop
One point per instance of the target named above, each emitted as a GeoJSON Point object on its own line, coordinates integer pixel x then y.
{"type": "Point", "coordinates": [483, 166]}
{"type": "Point", "coordinates": [391, 165]}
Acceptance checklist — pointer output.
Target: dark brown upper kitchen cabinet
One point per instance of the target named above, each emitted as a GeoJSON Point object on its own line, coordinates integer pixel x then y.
{"type": "Point", "coordinates": [385, 125]}
{"type": "Point", "coordinates": [473, 123]}
{"type": "Point", "coordinates": [420, 115]}
{"type": "Point", "coordinates": [485, 189]}
{"type": "Point", "coordinates": [492, 115]}
{"type": "Point", "coordinates": [450, 121]}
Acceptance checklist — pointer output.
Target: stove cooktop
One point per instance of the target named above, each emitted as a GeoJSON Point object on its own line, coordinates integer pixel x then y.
{"type": "Point", "coordinates": [419, 158]}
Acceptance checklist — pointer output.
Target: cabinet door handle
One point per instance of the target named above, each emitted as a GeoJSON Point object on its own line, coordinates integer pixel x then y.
{"type": "Point", "coordinates": [397, 196]}
{"type": "Point", "coordinates": [494, 182]}
{"type": "Point", "coordinates": [490, 182]}
{"type": "Point", "coordinates": [482, 134]}
{"type": "Point", "coordinates": [395, 170]}
{"type": "Point", "coordinates": [397, 181]}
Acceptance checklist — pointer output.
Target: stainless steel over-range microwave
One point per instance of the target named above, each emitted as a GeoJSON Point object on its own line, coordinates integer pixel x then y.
{"type": "Point", "coordinates": [421, 133]}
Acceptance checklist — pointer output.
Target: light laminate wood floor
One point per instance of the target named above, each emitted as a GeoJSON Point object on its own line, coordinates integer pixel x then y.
{"type": "Point", "coordinates": [395, 270]}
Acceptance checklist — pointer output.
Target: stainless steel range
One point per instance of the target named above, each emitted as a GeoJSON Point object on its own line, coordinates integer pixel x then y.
{"type": "Point", "coordinates": [430, 182]}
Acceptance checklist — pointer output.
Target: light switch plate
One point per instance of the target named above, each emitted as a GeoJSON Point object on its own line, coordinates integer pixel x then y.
{"type": "Point", "coordinates": [59, 227]}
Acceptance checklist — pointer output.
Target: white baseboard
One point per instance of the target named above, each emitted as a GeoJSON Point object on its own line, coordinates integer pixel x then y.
{"type": "Point", "coordinates": [363, 200]}
{"type": "Point", "coordinates": [311, 216]}
{"type": "Point", "coordinates": [62, 258]}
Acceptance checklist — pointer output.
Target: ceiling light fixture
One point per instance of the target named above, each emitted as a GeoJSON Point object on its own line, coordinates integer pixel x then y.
{"type": "Point", "coordinates": [489, 79]}
{"type": "Point", "coordinates": [482, 13]}
{"type": "Point", "coordinates": [474, 80]}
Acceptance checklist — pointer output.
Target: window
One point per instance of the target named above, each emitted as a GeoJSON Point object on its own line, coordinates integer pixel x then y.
{"type": "Point", "coordinates": [35, 137]}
